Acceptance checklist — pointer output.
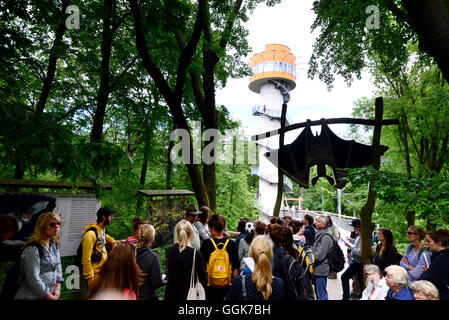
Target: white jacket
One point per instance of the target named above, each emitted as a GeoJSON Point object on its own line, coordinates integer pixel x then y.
{"type": "Point", "coordinates": [380, 292]}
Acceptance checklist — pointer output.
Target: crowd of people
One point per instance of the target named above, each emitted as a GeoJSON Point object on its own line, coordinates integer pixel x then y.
{"type": "Point", "coordinates": [256, 265]}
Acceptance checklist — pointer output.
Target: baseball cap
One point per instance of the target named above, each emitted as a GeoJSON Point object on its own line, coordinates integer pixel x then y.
{"type": "Point", "coordinates": [356, 223]}
{"type": "Point", "coordinates": [191, 209]}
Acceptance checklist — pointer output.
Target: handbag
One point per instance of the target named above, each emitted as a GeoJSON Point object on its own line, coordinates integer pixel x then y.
{"type": "Point", "coordinates": [196, 291]}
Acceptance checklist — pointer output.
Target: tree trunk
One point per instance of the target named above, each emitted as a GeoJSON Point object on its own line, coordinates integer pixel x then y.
{"type": "Point", "coordinates": [51, 68]}
{"type": "Point", "coordinates": [173, 98]}
{"type": "Point", "coordinates": [430, 20]}
{"type": "Point", "coordinates": [96, 134]}
{"type": "Point", "coordinates": [367, 210]}
{"type": "Point", "coordinates": [410, 216]}
{"type": "Point", "coordinates": [280, 192]}
{"type": "Point", "coordinates": [143, 171]}
{"type": "Point", "coordinates": [168, 184]}
{"type": "Point", "coordinates": [210, 122]}
{"type": "Point", "coordinates": [430, 226]}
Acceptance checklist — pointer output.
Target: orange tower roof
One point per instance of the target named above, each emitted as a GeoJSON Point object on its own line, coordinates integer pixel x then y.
{"type": "Point", "coordinates": [275, 63]}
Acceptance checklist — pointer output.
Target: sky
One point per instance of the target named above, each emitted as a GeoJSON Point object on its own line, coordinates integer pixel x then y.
{"type": "Point", "coordinates": [289, 23]}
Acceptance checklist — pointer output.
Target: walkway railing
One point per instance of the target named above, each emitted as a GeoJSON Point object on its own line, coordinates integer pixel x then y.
{"type": "Point", "coordinates": [273, 114]}
{"type": "Point", "coordinates": [271, 178]}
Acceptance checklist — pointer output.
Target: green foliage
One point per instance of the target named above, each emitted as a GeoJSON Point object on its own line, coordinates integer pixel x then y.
{"type": "Point", "coordinates": [428, 196]}
{"type": "Point", "coordinates": [31, 139]}
{"type": "Point", "coordinates": [235, 197]}
{"type": "Point", "coordinates": [345, 44]}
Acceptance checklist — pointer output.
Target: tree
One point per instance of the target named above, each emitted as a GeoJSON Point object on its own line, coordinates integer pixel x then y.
{"type": "Point", "coordinates": [345, 40]}
{"type": "Point", "coordinates": [417, 97]}
{"type": "Point", "coordinates": [203, 60]}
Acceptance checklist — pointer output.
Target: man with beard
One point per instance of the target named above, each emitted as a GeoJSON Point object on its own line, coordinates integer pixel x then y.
{"type": "Point", "coordinates": [94, 242]}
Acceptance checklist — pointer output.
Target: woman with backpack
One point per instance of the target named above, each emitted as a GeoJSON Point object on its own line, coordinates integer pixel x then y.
{"type": "Point", "coordinates": [221, 257]}
{"type": "Point", "coordinates": [275, 232]}
{"type": "Point", "coordinates": [321, 248]}
{"type": "Point", "coordinates": [416, 254]}
{"type": "Point", "coordinates": [180, 262]}
{"type": "Point", "coordinates": [261, 284]}
{"type": "Point", "coordinates": [40, 263]}
{"type": "Point", "coordinates": [148, 262]}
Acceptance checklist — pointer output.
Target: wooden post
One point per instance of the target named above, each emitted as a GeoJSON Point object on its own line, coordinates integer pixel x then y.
{"type": "Point", "coordinates": [367, 210]}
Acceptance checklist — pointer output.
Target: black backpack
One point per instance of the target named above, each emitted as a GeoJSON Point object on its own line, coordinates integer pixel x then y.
{"type": "Point", "coordinates": [12, 283]}
{"type": "Point", "coordinates": [335, 258]}
{"type": "Point", "coordinates": [95, 257]}
{"type": "Point", "coordinates": [297, 284]}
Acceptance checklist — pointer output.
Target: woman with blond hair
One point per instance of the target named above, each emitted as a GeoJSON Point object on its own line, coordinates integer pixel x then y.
{"type": "Point", "coordinates": [416, 254]}
{"type": "Point", "coordinates": [425, 290]}
{"type": "Point", "coordinates": [261, 285]}
{"type": "Point", "coordinates": [148, 262]}
{"type": "Point", "coordinates": [119, 274]}
{"type": "Point", "coordinates": [40, 263]}
{"type": "Point", "coordinates": [180, 262]}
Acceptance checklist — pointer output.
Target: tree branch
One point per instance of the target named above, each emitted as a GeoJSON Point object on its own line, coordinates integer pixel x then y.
{"type": "Point", "coordinates": [187, 53]}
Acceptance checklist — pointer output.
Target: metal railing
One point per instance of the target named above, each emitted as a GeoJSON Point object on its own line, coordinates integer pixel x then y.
{"type": "Point", "coordinates": [271, 178]}
{"type": "Point", "coordinates": [273, 114]}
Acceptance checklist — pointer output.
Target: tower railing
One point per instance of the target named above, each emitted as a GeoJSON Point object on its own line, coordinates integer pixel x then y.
{"type": "Point", "coordinates": [273, 114]}
{"type": "Point", "coordinates": [268, 144]}
{"type": "Point", "coordinates": [271, 178]}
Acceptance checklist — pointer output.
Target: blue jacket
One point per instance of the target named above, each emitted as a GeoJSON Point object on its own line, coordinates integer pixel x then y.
{"type": "Point", "coordinates": [404, 294]}
{"type": "Point", "coordinates": [309, 233]}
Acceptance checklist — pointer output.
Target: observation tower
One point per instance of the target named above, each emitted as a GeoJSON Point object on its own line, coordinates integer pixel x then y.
{"type": "Point", "coordinates": [274, 75]}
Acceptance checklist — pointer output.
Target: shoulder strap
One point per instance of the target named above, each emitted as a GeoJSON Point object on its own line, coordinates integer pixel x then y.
{"type": "Point", "coordinates": [322, 235]}
{"type": "Point", "coordinates": [94, 230]}
{"type": "Point", "coordinates": [421, 251]}
{"type": "Point", "coordinates": [96, 233]}
{"type": "Point", "coordinates": [225, 244]}
{"type": "Point", "coordinates": [192, 277]}
{"type": "Point", "coordinates": [244, 287]}
{"type": "Point", "coordinates": [39, 247]}
{"type": "Point", "coordinates": [332, 248]}
{"type": "Point", "coordinates": [213, 242]}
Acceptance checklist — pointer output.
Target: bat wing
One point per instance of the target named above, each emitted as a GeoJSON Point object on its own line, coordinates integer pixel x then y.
{"type": "Point", "coordinates": [291, 158]}
{"type": "Point", "coordinates": [296, 159]}
{"type": "Point", "coordinates": [349, 154]}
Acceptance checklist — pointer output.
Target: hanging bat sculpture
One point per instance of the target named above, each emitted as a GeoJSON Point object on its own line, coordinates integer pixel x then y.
{"type": "Point", "coordinates": [296, 159]}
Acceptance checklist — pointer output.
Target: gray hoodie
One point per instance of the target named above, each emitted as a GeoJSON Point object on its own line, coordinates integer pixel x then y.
{"type": "Point", "coordinates": [356, 250]}
{"type": "Point", "coordinates": [321, 248]}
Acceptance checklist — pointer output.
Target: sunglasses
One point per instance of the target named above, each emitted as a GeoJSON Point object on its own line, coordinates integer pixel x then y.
{"type": "Point", "coordinates": [409, 233]}
{"type": "Point", "coordinates": [53, 224]}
